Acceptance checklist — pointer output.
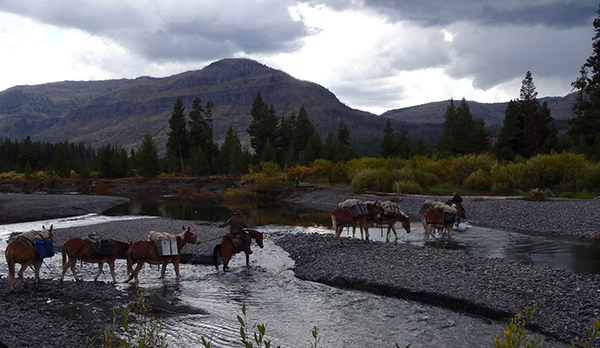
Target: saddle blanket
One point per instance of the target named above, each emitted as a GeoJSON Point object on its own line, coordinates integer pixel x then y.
{"type": "Point", "coordinates": [166, 244]}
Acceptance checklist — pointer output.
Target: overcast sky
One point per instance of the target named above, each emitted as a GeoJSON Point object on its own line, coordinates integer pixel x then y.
{"type": "Point", "coordinates": [375, 55]}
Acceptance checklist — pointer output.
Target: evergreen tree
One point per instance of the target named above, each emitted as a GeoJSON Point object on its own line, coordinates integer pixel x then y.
{"type": "Point", "coordinates": [178, 138]}
{"type": "Point", "coordinates": [536, 118]}
{"type": "Point", "coordinates": [263, 126]}
{"type": "Point", "coordinates": [284, 140]}
{"type": "Point", "coordinates": [585, 125]}
{"type": "Point", "coordinates": [230, 155]}
{"type": "Point", "coordinates": [388, 143]}
{"type": "Point", "coordinates": [304, 133]}
{"type": "Point", "coordinates": [147, 157]}
{"type": "Point", "coordinates": [510, 140]}
{"type": "Point", "coordinates": [201, 133]}
{"type": "Point", "coordinates": [447, 142]}
{"type": "Point", "coordinates": [343, 134]}
{"type": "Point", "coordinates": [403, 148]}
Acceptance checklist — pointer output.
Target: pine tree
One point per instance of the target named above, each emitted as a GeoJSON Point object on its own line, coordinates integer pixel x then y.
{"type": "Point", "coordinates": [178, 139]}
{"type": "Point", "coordinates": [147, 157]}
{"type": "Point", "coordinates": [536, 118]}
{"type": "Point", "coordinates": [388, 143]}
{"type": "Point", "coordinates": [510, 141]}
{"type": "Point", "coordinates": [446, 143]}
{"type": "Point", "coordinates": [231, 156]}
{"type": "Point", "coordinates": [585, 125]}
{"type": "Point", "coordinates": [263, 126]}
{"type": "Point", "coordinates": [201, 133]}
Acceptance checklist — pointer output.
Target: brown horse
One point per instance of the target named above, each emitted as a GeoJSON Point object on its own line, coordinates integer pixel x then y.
{"type": "Point", "coordinates": [342, 217]}
{"type": "Point", "coordinates": [23, 252]}
{"type": "Point", "coordinates": [81, 249]}
{"type": "Point", "coordinates": [391, 221]}
{"type": "Point", "coordinates": [459, 212]}
{"type": "Point", "coordinates": [144, 251]}
{"type": "Point", "coordinates": [227, 248]}
{"type": "Point", "coordinates": [434, 219]}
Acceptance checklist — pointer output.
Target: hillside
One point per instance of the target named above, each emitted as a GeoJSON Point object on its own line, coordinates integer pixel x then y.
{"type": "Point", "coordinates": [119, 112]}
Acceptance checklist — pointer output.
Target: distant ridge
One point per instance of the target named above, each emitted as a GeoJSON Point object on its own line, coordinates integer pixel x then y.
{"type": "Point", "coordinates": [119, 112]}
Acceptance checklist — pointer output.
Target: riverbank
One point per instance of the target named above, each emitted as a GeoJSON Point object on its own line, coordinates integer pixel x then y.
{"type": "Point", "coordinates": [491, 288]}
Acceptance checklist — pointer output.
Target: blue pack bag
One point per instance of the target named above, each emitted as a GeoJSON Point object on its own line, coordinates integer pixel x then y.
{"type": "Point", "coordinates": [44, 248]}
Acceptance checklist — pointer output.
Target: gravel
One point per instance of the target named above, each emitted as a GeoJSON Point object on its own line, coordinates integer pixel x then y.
{"type": "Point", "coordinates": [488, 287]}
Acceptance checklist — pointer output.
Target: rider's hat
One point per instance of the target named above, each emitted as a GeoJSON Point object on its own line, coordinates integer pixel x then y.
{"type": "Point", "coordinates": [237, 212]}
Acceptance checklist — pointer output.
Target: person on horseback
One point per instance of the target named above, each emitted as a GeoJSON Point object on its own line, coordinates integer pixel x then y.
{"type": "Point", "coordinates": [236, 230]}
{"type": "Point", "coordinates": [457, 199]}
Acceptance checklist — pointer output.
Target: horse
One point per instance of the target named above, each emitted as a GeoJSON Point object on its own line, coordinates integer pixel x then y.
{"type": "Point", "coordinates": [342, 217]}
{"type": "Point", "coordinates": [23, 252]}
{"type": "Point", "coordinates": [81, 249]}
{"type": "Point", "coordinates": [144, 251]}
{"type": "Point", "coordinates": [391, 221]}
{"type": "Point", "coordinates": [226, 249]}
{"type": "Point", "coordinates": [459, 212]}
{"type": "Point", "coordinates": [434, 219]}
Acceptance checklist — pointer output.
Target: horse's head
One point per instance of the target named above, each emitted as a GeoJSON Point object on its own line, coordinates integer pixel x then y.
{"type": "Point", "coordinates": [49, 232]}
{"type": "Point", "coordinates": [258, 237]}
{"type": "Point", "coordinates": [405, 222]}
{"type": "Point", "coordinates": [188, 236]}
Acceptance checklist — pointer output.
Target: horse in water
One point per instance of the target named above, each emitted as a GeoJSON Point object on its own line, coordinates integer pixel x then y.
{"type": "Point", "coordinates": [24, 252]}
{"type": "Point", "coordinates": [227, 248]}
{"type": "Point", "coordinates": [81, 249]}
{"type": "Point", "coordinates": [434, 219]}
{"type": "Point", "coordinates": [459, 211]}
{"type": "Point", "coordinates": [145, 251]}
{"type": "Point", "coordinates": [343, 217]}
{"type": "Point", "coordinates": [391, 221]}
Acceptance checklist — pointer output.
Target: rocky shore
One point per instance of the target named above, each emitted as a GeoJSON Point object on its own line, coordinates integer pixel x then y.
{"type": "Point", "coordinates": [492, 288]}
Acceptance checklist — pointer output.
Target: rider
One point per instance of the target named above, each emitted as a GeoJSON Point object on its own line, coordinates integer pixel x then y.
{"type": "Point", "coordinates": [457, 199]}
{"type": "Point", "coordinates": [236, 230]}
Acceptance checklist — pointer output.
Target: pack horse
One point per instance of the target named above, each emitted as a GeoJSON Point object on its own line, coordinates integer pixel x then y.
{"type": "Point", "coordinates": [28, 248]}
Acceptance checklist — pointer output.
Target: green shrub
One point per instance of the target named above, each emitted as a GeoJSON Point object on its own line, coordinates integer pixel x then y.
{"type": "Point", "coordinates": [478, 180]}
{"type": "Point", "coordinates": [461, 167]}
{"type": "Point", "coordinates": [364, 179]}
{"type": "Point", "coordinates": [407, 187]}
{"type": "Point", "coordinates": [384, 179]}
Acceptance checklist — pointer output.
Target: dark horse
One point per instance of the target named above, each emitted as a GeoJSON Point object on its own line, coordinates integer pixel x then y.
{"type": "Point", "coordinates": [227, 248]}
{"type": "Point", "coordinates": [342, 217]}
{"type": "Point", "coordinates": [23, 252]}
{"type": "Point", "coordinates": [81, 249]}
{"type": "Point", "coordinates": [459, 211]}
{"type": "Point", "coordinates": [145, 251]}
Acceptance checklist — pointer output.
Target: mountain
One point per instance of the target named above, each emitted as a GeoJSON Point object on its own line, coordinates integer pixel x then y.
{"type": "Point", "coordinates": [492, 113]}
{"type": "Point", "coordinates": [119, 112]}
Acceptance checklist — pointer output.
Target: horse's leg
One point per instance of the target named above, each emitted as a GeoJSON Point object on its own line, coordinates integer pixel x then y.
{"type": "Point", "coordinates": [111, 265]}
{"type": "Point", "coordinates": [100, 265]}
{"type": "Point", "coordinates": [69, 264]}
{"type": "Point", "coordinates": [425, 228]}
{"type": "Point", "coordinates": [37, 265]}
{"type": "Point", "coordinates": [176, 267]}
{"type": "Point", "coordinates": [164, 268]}
{"type": "Point", "coordinates": [11, 272]}
{"type": "Point", "coordinates": [338, 232]}
{"type": "Point", "coordinates": [137, 269]}
{"type": "Point", "coordinates": [247, 260]}
{"type": "Point", "coordinates": [24, 266]}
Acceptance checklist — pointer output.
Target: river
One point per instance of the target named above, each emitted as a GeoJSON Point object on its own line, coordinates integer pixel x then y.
{"type": "Point", "coordinates": [207, 302]}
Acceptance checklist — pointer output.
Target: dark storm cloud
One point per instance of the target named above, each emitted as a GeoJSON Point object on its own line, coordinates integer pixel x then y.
{"type": "Point", "coordinates": [178, 31]}
{"type": "Point", "coordinates": [551, 13]}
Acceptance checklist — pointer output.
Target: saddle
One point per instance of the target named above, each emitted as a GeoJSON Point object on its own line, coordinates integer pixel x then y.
{"type": "Point", "coordinates": [356, 207]}
{"type": "Point", "coordinates": [390, 209]}
{"type": "Point", "coordinates": [102, 246]}
{"type": "Point", "coordinates": [166, 244]}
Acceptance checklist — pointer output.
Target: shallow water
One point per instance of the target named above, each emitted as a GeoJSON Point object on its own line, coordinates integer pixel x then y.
{"type": "Point", "coordinates": [207, 302]}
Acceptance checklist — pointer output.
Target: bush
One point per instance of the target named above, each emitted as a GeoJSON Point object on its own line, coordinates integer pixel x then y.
{"type": "Point", "coordinates": [364, 179]}
{"type": "Point", "coordinates": [407, 187]}
{"type": "Point", "coordinates": [297, 171]}
{"type": "Point", "coordinates": [478, 180]}
{"type": "Point", "coordinates": [462, 167]}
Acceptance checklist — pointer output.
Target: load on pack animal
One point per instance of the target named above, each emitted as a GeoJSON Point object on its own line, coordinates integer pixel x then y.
{"type": "Point", "coordinates": [28, 248]}
{"type": "Point", "coordinates": [437, 215]}
{"type": "Point", "coordinates": [94, 249]}
{"type": "Point", "coordinates": [391, 215]}
{"type": "Point", "coordinates": [353, 211]}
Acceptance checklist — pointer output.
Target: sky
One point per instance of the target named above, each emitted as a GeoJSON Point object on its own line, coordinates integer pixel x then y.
{"type": "Point", "coordinates": [374, 55]}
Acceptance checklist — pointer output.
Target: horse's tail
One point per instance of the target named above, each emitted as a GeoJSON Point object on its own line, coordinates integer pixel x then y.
{"type": "Point", "coordinates": [64, 255]}
{"type": "Point", "coordinates": [333, 222]}
{"type": "Point", "coordinates": [216, 253]}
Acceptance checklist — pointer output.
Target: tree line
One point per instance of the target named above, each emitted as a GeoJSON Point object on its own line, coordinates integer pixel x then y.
{"type": "Point", "coordinates": [528, 130]}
